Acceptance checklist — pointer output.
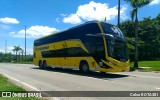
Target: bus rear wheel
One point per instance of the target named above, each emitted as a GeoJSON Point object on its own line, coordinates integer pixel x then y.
{"type": "Point", "coordinates": [40, 65]}
{"type": "Point", "coordinates": [84, 68]}
{"type": "Point", "coordinates": [44, 65]}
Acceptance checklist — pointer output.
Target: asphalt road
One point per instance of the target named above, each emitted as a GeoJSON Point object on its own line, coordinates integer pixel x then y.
{"type": "Point", "coordinates": [71, 80]}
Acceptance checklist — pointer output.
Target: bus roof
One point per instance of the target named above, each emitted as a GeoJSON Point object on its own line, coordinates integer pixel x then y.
{"type": "Point", "coordinates": [95, 21]}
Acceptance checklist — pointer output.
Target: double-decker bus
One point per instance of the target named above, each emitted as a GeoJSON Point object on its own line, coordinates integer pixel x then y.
{"type": "Point", "coordinates": [92, 46]}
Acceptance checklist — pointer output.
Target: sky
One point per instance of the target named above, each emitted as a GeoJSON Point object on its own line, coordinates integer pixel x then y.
{"type": "Point", "coordinates": [44, 17]}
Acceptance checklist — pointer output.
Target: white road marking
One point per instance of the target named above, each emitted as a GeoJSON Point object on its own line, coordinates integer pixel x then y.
{"type": "Point", "coordinates": [14, 79]}
{"type": "Point", "coordinates": [101, 79]}
{"type": "Point", "coordinates": [146, 76]}
{"type": "Point", "coordinates": [139, 76]}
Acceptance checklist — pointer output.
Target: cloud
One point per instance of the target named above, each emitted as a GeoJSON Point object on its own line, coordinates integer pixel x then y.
{"type": "Point", "coordinates": [29, 51]}
{"type": "Point", "coordinates": [34, 32]}
{"type": "Point", "coordinates": [2, 49]}
{"type": "Point", "coordinates": [73, 19]}
{"type": "Point", "coordinates": [57, 20]}
{"type": "Point", "coordinates": [95, 11]}
{"type": "Point", "coordinates": [6, 27]}
{"type": "Point", "coordinates": [8, 20]}
{"type": "Point", "coordinates": [63, 15]}
{"type": "Point", "coordinates": [122, 12]}
{"type": "Point", "coordinates": [10, 49]}
{"type": "Point", "coordinates": [154, 2]}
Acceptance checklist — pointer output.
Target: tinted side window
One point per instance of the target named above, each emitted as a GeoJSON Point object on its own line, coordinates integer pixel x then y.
{"type": "Point", "coordinates": [91, 28]}
{"type": "Point", "coordinates": [94, 44]}
{"type": "Point", "coordinates": [49, 54]}
{"type": "Point", "coordinates": [68, 52]}
{"type": "Point", "coordinates": [76, 52]}
{"type": "Point", "coordinates": [62, 53]}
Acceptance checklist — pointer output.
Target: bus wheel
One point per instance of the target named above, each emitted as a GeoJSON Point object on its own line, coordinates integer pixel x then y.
{"type": "Point", "coordinates": [84, 67]}
{"type": "Point", "coordinates": [44, 65]}
{"type": "Point", "coordinates": [40, 65]}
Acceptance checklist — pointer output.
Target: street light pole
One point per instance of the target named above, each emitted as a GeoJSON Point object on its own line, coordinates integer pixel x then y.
{"type": "Point", "coordinates": [118, 13]}
{"type": "Point", "coordinates": [6, 51]}
{"type": "Point", "coordinates": [25, 42]}
{"type": "Point", "coordinates": [6, 47]}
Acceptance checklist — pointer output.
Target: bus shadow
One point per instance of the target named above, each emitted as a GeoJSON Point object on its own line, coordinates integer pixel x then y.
{"type": "Point", "coordinates": [105, 76]}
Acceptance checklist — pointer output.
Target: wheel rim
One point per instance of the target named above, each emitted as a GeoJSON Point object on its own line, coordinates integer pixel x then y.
{"type": "Point", "coordinates": [44, 65]}
{"type": "Point", "coordinates": [84, 68]}
{"type": "Point", "coordinates": [40, 65]}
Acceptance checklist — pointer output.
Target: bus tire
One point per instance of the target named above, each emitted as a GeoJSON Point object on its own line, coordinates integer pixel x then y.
{"type": "Point", "coordinates": [84, 68]}
{"type": "Point", "coordinates": [40, 64]}
{"type": "Point", "coordinates": [44, 65]}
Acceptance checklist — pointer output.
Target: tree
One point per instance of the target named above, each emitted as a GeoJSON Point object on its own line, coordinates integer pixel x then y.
{"type": "Point", "coordinates": [21, 51]}
{"type": "Point", "coordinates": [148, 38]}
{"type": "Point", "coordinates": [136, 4]}
{"type": "Point", "coordinates": [8, 57]}
{"type": "Point", "coordinates": [16, 49]}
{"type": "Point", "coordinates": [149, 30]}
{"type": "Point", "coordinates": [127, 28]}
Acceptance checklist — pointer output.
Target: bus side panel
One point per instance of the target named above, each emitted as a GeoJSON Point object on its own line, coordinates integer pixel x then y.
{"type": "Point", "coordinates": [52, 62]}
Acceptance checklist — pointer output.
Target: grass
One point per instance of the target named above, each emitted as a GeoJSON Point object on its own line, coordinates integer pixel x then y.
{"type": "Point", "coordinates": [18, 62]}
{"type": "Point", "coordinates": [23, 62]}
{"type": "Point", "coordinates": [153, 65]}
{"type": "Point", "coordinates": [6, 85]}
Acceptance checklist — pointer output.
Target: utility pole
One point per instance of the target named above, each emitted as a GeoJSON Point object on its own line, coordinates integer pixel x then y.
{"type": "Point", "coordinates": [6, 50]}
{"type": "Point", "coordinates": [6, 47]}
{"type": "Point", "coordinates": [118, 13]}
{"type": "Point", "coordinates": [25, 43]}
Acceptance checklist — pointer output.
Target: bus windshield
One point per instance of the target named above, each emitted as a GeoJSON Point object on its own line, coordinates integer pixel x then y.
{"type": "Point", "coordinates": [116, 45]}
{"type": "Point", "coordinates": [113, 30]}
{"type": "Point", "coordinates": [117, 49]}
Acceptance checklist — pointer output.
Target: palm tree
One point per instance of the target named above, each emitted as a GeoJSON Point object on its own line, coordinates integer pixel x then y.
{"type": "Point", "coordinates": [8, 56]}
{"type": "Point", "coordinates": [21, 51]}
{"type": "Point", "coordinates": [136, 4]}
{"type": "Point", "coordinates": [16, 49]}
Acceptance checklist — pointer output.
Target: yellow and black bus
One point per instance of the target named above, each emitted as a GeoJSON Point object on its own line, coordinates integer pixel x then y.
{"type": "Point", "coordinates": [92, 46]}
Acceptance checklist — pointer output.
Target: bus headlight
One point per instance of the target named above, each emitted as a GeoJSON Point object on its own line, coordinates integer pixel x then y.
{"type": "Point", "coordinates": [100, 63]}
